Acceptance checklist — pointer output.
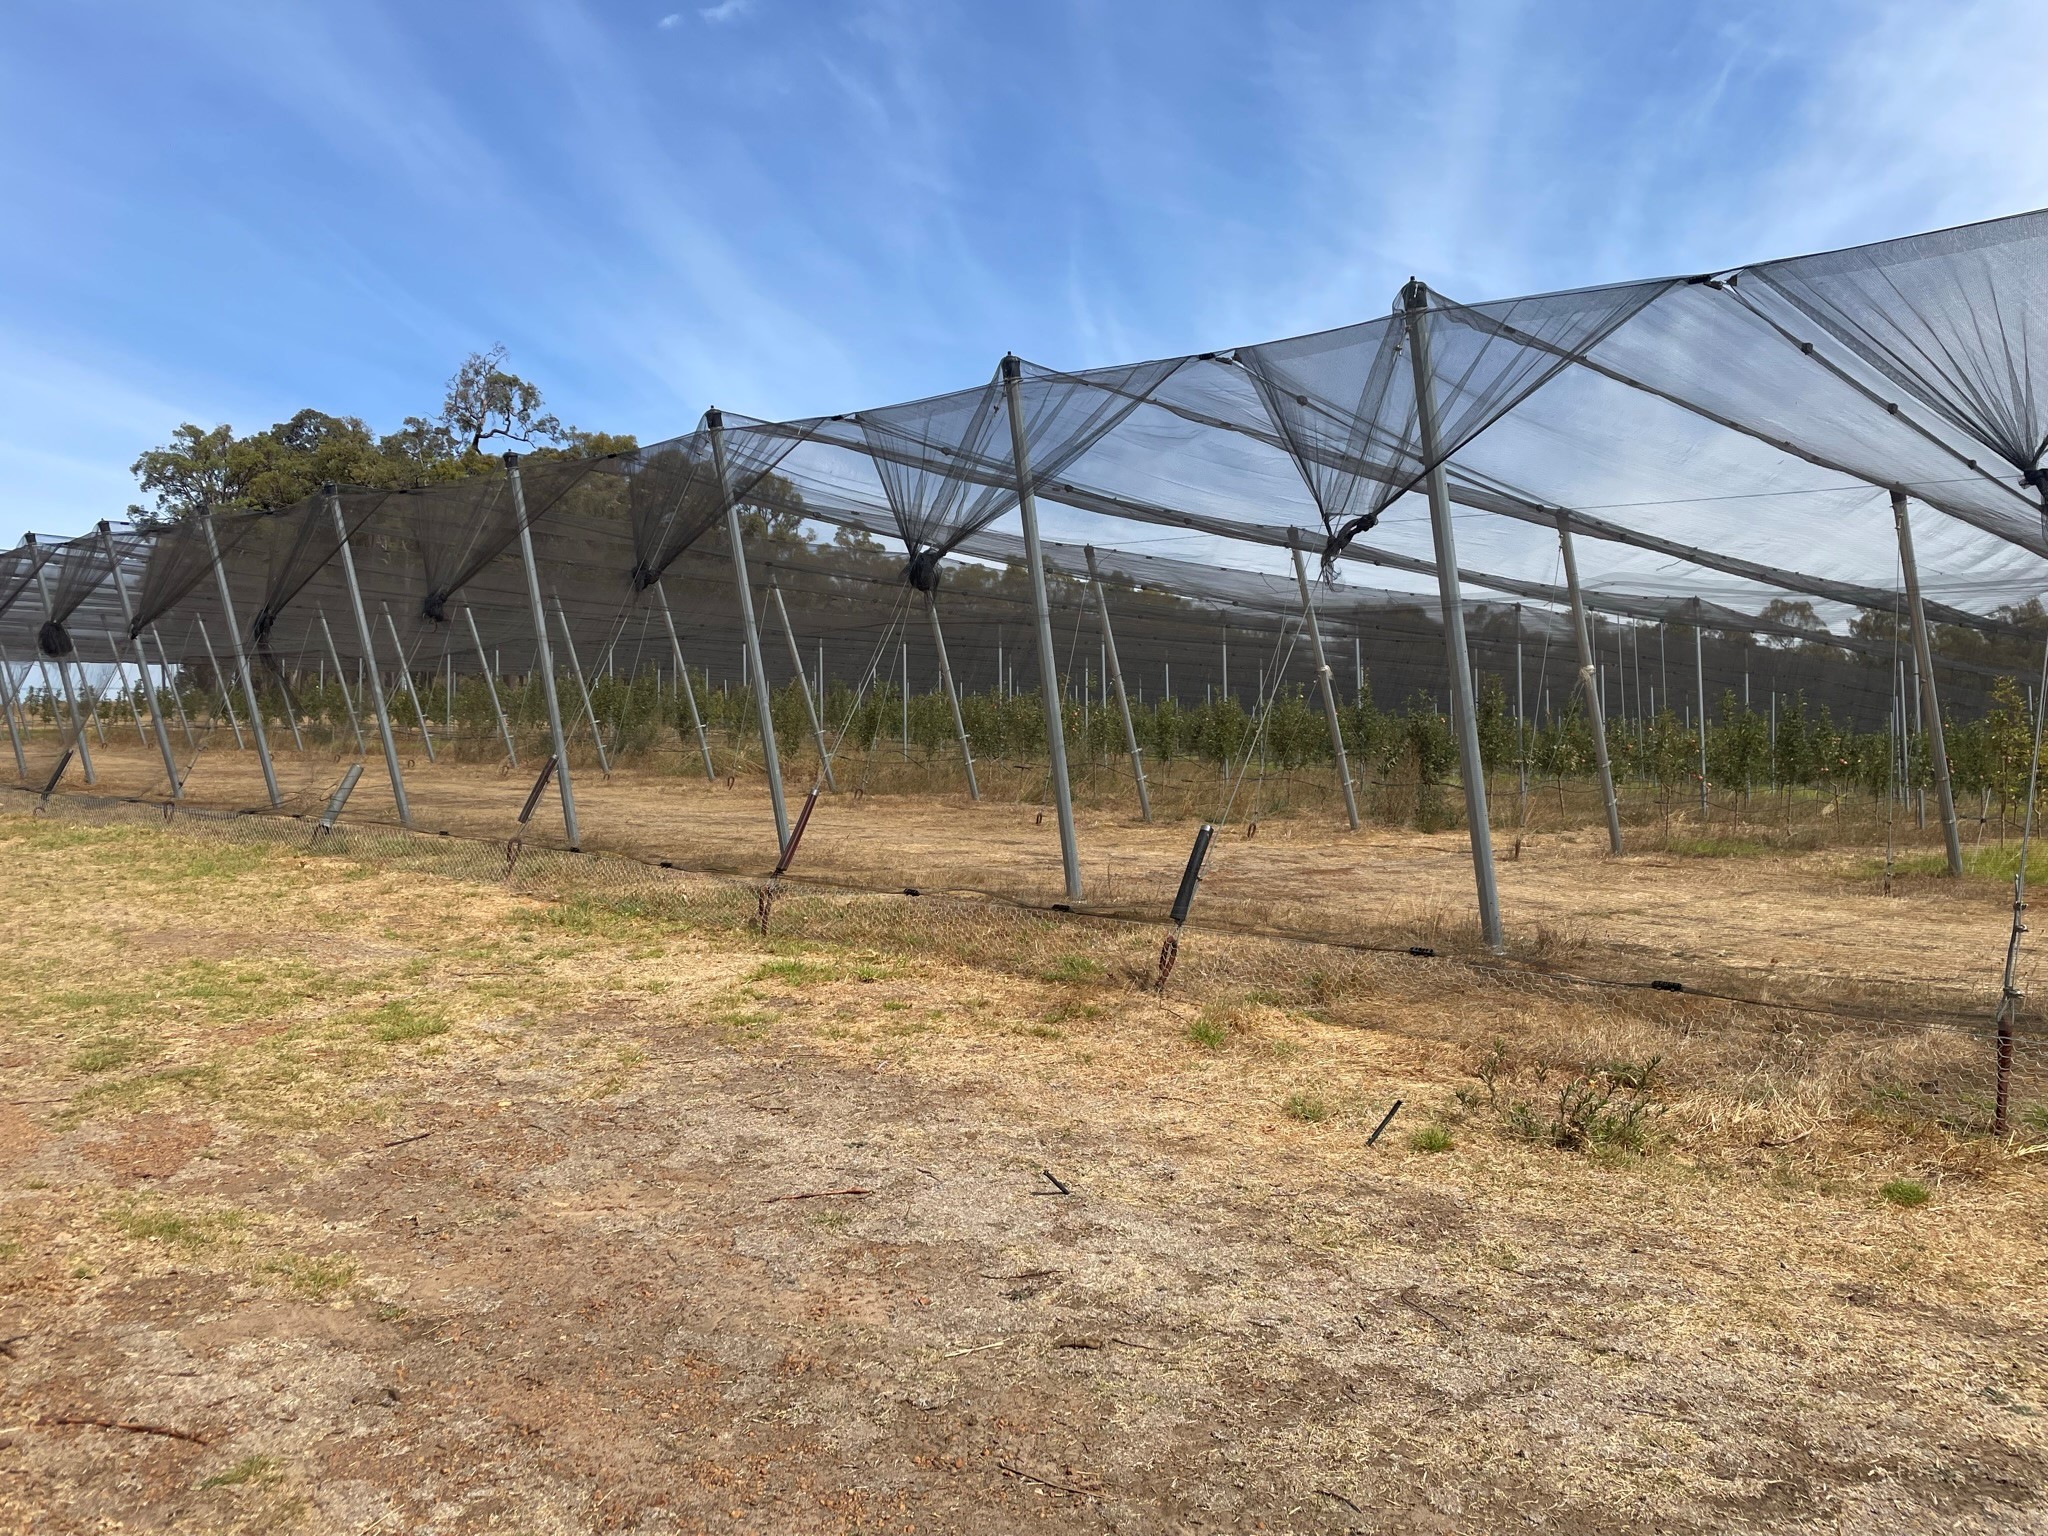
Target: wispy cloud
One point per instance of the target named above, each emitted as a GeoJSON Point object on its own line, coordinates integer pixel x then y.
{"type": "Point", "coordinates": [670, 22]}
{"type": "Point", "coordinates": [726, 10]}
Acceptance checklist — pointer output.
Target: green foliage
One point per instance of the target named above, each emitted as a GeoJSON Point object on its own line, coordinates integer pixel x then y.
{"type": "Point", "coordinates": [1307, 1108]}
{"type": "Point", "coordinates": [1609, 1105]}
{"type": "Point", "coordinates": [1905, 1193]}
{"type": "Point", "coordinates": [1432, 1138]}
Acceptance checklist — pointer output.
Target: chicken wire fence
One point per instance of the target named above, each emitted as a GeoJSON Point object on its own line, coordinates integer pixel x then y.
{"type": "Point", "coordinates": [1922, 1058]}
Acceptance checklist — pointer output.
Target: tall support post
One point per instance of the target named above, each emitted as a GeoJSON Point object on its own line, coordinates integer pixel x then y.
{"type": "Point", "coordinates": [63, 673]}
{"type": "Point", "coordinates": [1415, 299]}
{"type": "Point", "coordinates": [796, 660]}
{"type": "Point", "coordinates": [7, 707]}
{"type": "Point", "coordinates": [1930, 701]}
{"type": "Point", "coordinates": [163, 658]}
{"type": "Point", "coordinates": [1324, 680]}
{"type": "Point", "coordinates": [543, 658]}
{"type": "Point", "coordinates": [156, 713]}
{"type": "Point", "coordinates": [1699, 664]}
{"type": "Point", "coordinates": [1123, 704]}
{"type": "Point", "coordinates": [931, 608]}
{"type": "Point", "coordinates": [1048, 662]}
{"type": "Point", "coordinates": [604, 761]}
{"type": "Point", "coordinates": [405, 681]}
{"type": "Point", "coordinates": [227, 608]}
{"type": "Point", "coordinates": [1521, 723]}
{"type": "Point", "coordinates": [1584, 640]}
{"type": "Point", "coordinates": [764, 705]}
{"type": "Point", "coordinates": [483, 662]}
{"type": "Point", "coordinates": [341, 681]}
{"type": "Point", "coordinates": [689, 689]}
{"type": "Point", "coordinates": [369, 672]}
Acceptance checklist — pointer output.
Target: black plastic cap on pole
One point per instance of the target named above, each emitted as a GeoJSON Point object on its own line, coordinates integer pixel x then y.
{"type": "Point", "coordinates": [328, 488]}
{"type": "Point", "coordinates": [714, 420]}
{"type": "Point", "coordinates": [511, 459]}
{"type": "Point", "coordinates": [1415, 294]}
{"type": "Point", "coordinates": [105, 526]}
{"type": "Point", "coordinates": [1013, 366]}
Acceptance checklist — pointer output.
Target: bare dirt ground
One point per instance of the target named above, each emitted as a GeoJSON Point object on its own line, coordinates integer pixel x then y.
{"type": "Point", "coordinates": [1815, 925]}
{"type": "Point", "coordinates": [340, 1199]}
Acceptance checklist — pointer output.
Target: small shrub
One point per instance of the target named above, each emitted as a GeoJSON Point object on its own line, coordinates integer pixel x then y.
{"type": "Point", "coordinates": [1905, 1193]}
{"type": "Point", "coordinates": [1432, 1138]}
{"type": "Point", "coordinates": [1307, 1108]}
{"type": "Point", "coordinates": [1609, 1106]}
{"type": "Point", "coordinates": [795, 973]}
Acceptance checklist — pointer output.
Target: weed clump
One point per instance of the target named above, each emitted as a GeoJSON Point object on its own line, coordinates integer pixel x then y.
{"type": "Point", "coordinates": [1610, 1105]}
{"type": "Point", "coordinates": [1307, 1108]}
{"type": "Point", "coordinates": [1432, 1138]}
{"type": "Point", "coordinates": [1905, 1193]}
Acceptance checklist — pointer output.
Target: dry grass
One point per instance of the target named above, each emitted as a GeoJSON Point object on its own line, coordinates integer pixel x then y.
{"type": "Point", "coordinates": [429, 1203]}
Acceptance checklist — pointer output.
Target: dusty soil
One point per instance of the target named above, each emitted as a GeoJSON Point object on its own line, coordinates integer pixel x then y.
{"type": "Point", "coordinates": [1816, 925]}
{"type": "Point", "coordinates": [339, 1199]}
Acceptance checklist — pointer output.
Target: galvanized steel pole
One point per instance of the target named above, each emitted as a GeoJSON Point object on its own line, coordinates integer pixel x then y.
{"type": "Point", "coordinates": [1324, 680]}
{"type": "Point", "coordinates": [369, 657]}
{"type": "Point", "coordinates": [1930, 701]}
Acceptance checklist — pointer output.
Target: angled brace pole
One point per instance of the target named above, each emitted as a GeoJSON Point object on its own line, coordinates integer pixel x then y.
{"type": "Point", "coordinates": [543, 658]}
{"type": "Point", "coordinates": [341, 682]}
{"type": "Point", "coordinates": [796, 660]}
{"type": "Point", "coordinates": [227, 608]}
{"type": "Point", "coordinates": [121, 682]}
{"type": "Point", "coordinates": [163, 658]}
{"type": "Point", "coordinates": [368, 643]}
{"type": "Point", "coordinates": [405, 681]}
{"type": "Point", "coordinates": [1325, 681]}
{"type": "Point", "coordinates": [1123, 703]}
{"type": "Point", "coordinates": [689, 689]}
{"type": "Point", "coordinates": [1048, 661]}
{"type": "Point", "coordinates": [7, 707]}
{"type": "Point", "coordinates": [764, 707]}
{"type": "Point", "coordinates": [1589, 688]}
{"type": "Point", "coordinates": [576, 671]}
{"type": "Point", "coordinates": [491, 687]}
{"type": "Point", "coordinates": [931, 608]}
{"type": "Point", "coordinates": [1930, 702]}
{"type": "Point", "coordinates": [220, 678]}
{"type": "Point", "coordinates": [1415, 303]}
{"type": "Point", "coordinates": [63, 675]}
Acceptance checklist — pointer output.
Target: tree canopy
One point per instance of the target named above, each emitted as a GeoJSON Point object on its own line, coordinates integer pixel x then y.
{"type": "Point", "coordinates": [483, 408]}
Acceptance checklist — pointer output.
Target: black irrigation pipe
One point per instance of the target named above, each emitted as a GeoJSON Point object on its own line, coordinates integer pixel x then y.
{"type": "Point", "coordinates": [1971, 1022]}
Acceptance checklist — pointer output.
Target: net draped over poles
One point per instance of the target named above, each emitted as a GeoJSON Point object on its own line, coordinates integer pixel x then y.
{"type": "Point", "coordinates": [1723, 448]}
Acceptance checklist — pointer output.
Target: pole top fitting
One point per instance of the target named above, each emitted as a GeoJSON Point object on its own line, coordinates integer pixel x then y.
{"type": "Point", "coordinates": [329, 488]}
{"type": "Point", "coordinates": [105, 526]}
{"type": "Point", "coordinates": [714, 419]}
{"type": "Point", "coordinates": [1415, 294]}
{"type": "Point", "coordinates": [511, 459]}
{"type": "Point", "coordinates": [1013, 367]}
{"type": "Point", "coordinates": [28, 538]}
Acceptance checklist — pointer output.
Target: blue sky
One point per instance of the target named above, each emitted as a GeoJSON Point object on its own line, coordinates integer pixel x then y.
{"type": "Point", "coordinates": [224, 212]}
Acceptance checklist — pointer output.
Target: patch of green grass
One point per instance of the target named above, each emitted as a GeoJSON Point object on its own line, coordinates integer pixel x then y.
{"type": "Point", "coordinates": [1721, 848]}
{"type": "Point", "coordinates": [1432, 1138]}
{"type": "Point", "coordinates": [250, 1469]}
{"type": "Point", "coordinates": [895, 1005]}
{"type": "Point", "coordinates": [1307, 1108]}
{"type": "Point", "coordinates": [110, 1053]}
{"type": "Point", "coordinates": [1209, 1031]}
{"type": "Point", "coordinates": [1041, 1031]}
{"type": "Point", "coordinates": [1073, 968]}
{"type": "Point", "coordinates": [149, 1223]}
{"type": "Point", "coordinates": [793, 973]}
{"type": "Point", "coordinates": [833, 1221]}
{"type": "Point", "coordinates": [316, 1279]}
{"type": "Point", "coordinates": [398, 1022]}
{"type": "Point", "coordinates": [1905, 1193]}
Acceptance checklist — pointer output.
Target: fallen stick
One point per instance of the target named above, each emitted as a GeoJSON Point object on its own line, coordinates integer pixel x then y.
{"type": "Point", "coordinates": [84, 1421]}
{"type": "Point", "coordinates": [972, 1349]}
{"type": "Point", "coordinates": [817, 1194]}
{"type": "Point", "coordinates": [1329, 1494]}
{"type": "Point", "coordinates": [405, 1140]}
{"type": "Point", "coordinates": [1046, 1482]}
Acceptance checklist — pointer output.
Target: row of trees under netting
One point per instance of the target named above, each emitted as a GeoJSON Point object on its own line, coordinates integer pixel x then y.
{"type": "Point", "coordinates": [644, 719]}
